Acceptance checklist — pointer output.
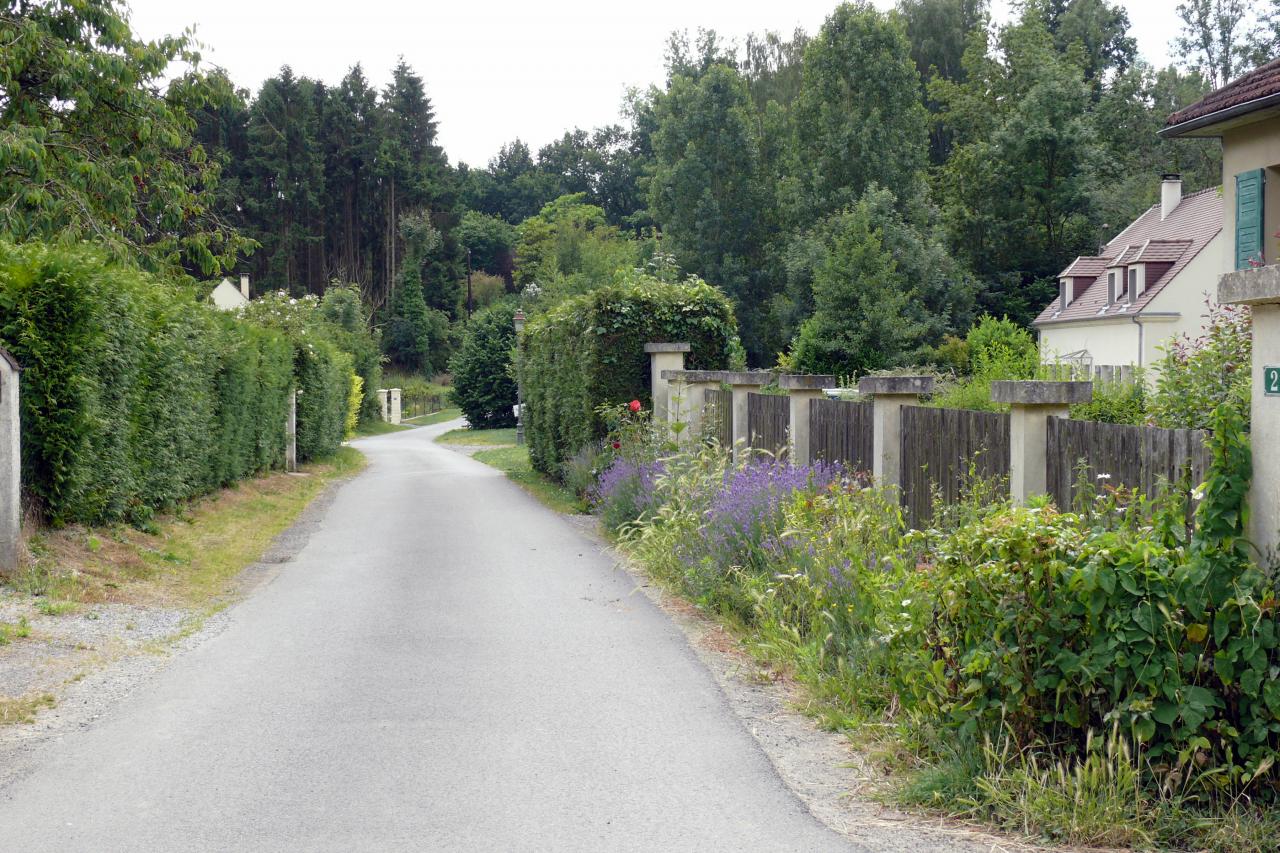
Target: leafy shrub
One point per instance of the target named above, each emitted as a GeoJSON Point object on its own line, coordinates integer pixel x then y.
{"type": "Point", "coordinates": [483, 385]}
{"type": "Point", "coordinates": [134, 395]}
{"type": "Point", "coordinates": [1195, 376]}
{"type": "Point", "coordinates": [589, 350]}
{"type": "Point", "coordinates": [996, 349]}
{"type": "Point", "coordinates": [1115, 403]}
{"type": "Point", "coordinates": [347, 324]}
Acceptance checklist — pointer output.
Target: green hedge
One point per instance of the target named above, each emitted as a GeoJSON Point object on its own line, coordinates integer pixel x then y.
{"type": "Point", "coordinates": [483, 386]}
{"type": "Point", "coordinates": [589, 350]}
{"type": "Point", "coordinates": [136, 395]}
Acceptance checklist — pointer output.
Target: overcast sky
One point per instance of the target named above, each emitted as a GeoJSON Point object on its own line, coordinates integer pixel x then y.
{"type": "Point", "coordinates": [498, 69]}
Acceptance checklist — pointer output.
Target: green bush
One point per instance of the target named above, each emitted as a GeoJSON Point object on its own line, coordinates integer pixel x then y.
{"type": "Point", "coordinates": [588, 351]}
{"type": "Point", "coordinates": [1195, 376]}
{"type": "Point", "coordinates": [483, 386]}
{"type": "Point", "coordinates": [348, 326]}
{"type": "Point", "coordinates": [136, 395]}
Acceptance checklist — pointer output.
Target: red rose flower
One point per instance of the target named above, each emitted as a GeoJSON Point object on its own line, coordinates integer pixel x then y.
{"type": "Point", "coordinates": [634, 405]}
{"type": "Point", "coordinates": [617, 445]}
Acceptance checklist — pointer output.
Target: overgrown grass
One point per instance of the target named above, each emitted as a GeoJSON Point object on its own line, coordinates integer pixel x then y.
{"type": "Point", "coordinates": [480, 437]}
{"type": "Point", "coordinates": [24, 708]}
{"type": "Point", "coordinates": [189, 559]}
{"type": "Point", "coordinates": [514, 462]}
{"type": "Point", "coordinates": [10, 631]}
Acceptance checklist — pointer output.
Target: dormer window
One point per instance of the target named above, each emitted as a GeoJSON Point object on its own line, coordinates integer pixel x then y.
{"type": "Point", "coordinates": [1132, 289]}
{"type": "Point", "coordinates": [1064, 292]}
{"type": "Point", "coordinates": [1111, 287]}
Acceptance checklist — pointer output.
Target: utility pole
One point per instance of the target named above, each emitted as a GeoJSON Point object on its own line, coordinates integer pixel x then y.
{"type": "Point", "coordinates": [468, 284]}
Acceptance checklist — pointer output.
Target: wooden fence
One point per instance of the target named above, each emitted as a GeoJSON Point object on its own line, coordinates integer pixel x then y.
{"type": "Point", "coordinates": [718, 416]}
{"type": "Point", "coordinates": [943, 450]}
{"type": "Point", "coordinates": [1138, 457]}
{"type": "Point", "coordinates": [768, 422]}
{"type": "Point", "coordinates": [840, 431]}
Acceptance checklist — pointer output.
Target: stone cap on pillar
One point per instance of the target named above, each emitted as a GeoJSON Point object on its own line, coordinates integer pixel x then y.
{"type": "Point", "coordinates": [1259, 286]}
{"type": "Point", "coordinates": [729, 377]}
{"type": "Point", "coordinates": [1034, 392]}
{"type": "Point", "coordinates": [806, 382]}
{"type": "Point", "coordinates": [652, 348]}
{"type": "Point", "coordinates": [914, 385]}
{"type": "Point", "coordinates": [10, 360]}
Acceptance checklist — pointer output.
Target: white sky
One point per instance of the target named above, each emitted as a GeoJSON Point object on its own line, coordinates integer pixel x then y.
{"type": "Point", "coordinates": [498, 69]}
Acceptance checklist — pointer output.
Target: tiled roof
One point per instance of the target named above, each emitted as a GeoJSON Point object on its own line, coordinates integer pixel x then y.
{"type": "Point", "coordinates": [1177, 239]}
{"type": "Point", "coordinates": [1258, 83]}
{"type": "Point", "coordinates": [1084, 266]}
{"type": "Point", "coordinates": [1126, 256]}
{"type": "Point", "coordinates": [1161, 251]}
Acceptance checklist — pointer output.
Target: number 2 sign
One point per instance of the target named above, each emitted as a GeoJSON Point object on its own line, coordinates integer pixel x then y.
{"type": "Point", "coordinates": [1271, 381]}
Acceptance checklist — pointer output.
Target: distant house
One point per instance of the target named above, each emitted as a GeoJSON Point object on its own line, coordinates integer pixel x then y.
{"type": "Point", "coordinates": [1144, 287]}
{"type": "Point", "coordinates": [1245, 114]}
{"type": "Point", "coordinates": [228, 297]}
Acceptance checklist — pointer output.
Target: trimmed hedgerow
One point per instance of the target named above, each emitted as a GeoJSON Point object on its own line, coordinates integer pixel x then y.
{"type": "Point", "coordinates": [483, 386]}
{"type": "Point", "coordinates": [135, 395]}
{"type": "Point", "coordinates": [589, 351]}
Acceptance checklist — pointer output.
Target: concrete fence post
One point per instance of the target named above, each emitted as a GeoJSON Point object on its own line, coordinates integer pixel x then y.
{"type": "Point", "coordinates": [395, 405]}
{"type": "Point", "coordinates": [10, 463]}
{"type": "Point", "coordinates": [1260, 289]}
{"type": "Point", "coordinates": [663, 358]}
{"type": "Point", "coordinates": [888, 395]}
{"type": "Point", "coordinates": [384, 402]}
{"type": "Point", "coordinates": [686, 401]}
{"type": "Point", "coordinates": [742, 383]}
{"type": "Point", "coordinates": [1031, 404]}
{"type": "Point", "coordinates": [800, 390]}
{"type": "Point", "coordinates": [291, 434]}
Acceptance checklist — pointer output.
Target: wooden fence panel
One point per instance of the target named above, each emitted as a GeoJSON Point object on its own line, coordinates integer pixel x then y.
{"type": "Point", "coordinates": [840, 431]}
{"type": "Point", "coordinates": [718, 415]}
{"type": "Point", "coordinates": [942, 449]}
{"type": "Point", "coordinates": [768, 422]}
{"type": "Point", "coordinates": [1137, 457]}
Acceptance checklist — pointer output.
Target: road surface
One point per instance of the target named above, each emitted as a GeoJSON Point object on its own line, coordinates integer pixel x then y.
{"type": "Point", "coordinates": [445, 665]}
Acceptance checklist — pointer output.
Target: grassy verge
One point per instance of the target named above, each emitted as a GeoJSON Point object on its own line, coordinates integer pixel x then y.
{"type": "Point", "coordinates": [480, 437]}
{"type": "Point", "coordinates": [190, 559]}
{"type": "Point", "coordinates": [436, 417]}
{"type": "Point", "coordinates": [380, 428]}
{"type": "Point", "coordinates": [514, 462]}
{"type": "Point", "coordinates": [24, 709]}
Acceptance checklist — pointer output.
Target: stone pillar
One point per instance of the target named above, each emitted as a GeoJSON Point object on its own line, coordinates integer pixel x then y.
{"type": "Point", "coordinates": [1031, 404]}
{"type": "Point", "coordinates": [395, 405]}
{"type": "Point", "coordinates": [742, 383]}
{"type": "Point", "coordinates": [10, 463]}
{"type": "Point", "coordinates": [686, 399]}
{"type": "Point", "coordinates": [291, 434]}
{"type": "Point", "coordinates": [384, 401]}
{"type": "Point", "coordinates": [801, 389]}
{"type": "Point", "coordinates": [663, 358]}
{"type": "Point", "coordinates": [1260, 289]}
{"type": "Point", "coordinates": [888, 395]}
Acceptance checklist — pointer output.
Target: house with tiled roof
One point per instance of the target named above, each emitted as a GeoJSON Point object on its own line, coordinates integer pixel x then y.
{"type": "Point", "coordinates": [1245, 115]}
{"type": "Point", "coordinates": [1147, 285]}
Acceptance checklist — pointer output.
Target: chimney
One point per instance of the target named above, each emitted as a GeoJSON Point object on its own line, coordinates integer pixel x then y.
{"type": "Point", "coordinates": [244, 286]}
{"type": "Point", "coordinates": [1170, 193]}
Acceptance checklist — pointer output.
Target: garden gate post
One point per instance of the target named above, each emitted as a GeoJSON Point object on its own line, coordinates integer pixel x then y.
{"type": "Point", "coordinates": [291, 433]}
{"type": "Point", "coordinates": [1031, 404]}
{"type": "Point", "coordinates": [686, 392]}
{"type": "Point", "coordinates": [1260, 289]}
{"type": "Point", "coordinates": [743, 383]}
{"type": "Point", "coordinates": [663, 357]}
{"type": "Point", "coordinates": [801, 389]}
{"type": "Point", "coordinates": [10, 463]}
{"type": "Point", "coordinates": [395, 405]}
{"type": "Point", "coordinates": [888, 395]}
{"type": "Point", "coordinates": [384, 401]}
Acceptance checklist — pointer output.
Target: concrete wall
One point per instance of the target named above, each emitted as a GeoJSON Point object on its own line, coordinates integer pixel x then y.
{"type": "Point", "coordinates": [1252, 146]}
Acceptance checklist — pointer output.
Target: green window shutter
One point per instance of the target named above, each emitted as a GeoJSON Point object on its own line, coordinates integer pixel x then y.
{"type": "Point", "coordinates": [1248, 217]}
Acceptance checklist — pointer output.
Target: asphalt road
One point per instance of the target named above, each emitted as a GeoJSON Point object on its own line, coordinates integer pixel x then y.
{"type": "Point", "coordinates": [445, 665]}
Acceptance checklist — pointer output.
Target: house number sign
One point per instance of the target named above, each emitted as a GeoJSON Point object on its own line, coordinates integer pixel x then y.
{"type": "Point", "coordinates": [1271, 381]}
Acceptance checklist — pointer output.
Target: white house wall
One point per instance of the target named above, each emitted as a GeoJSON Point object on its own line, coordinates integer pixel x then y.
{"type": "Point", "coordinates": [1185, 296]}
{"type": "Point", "coordinates": [1107, 341]}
